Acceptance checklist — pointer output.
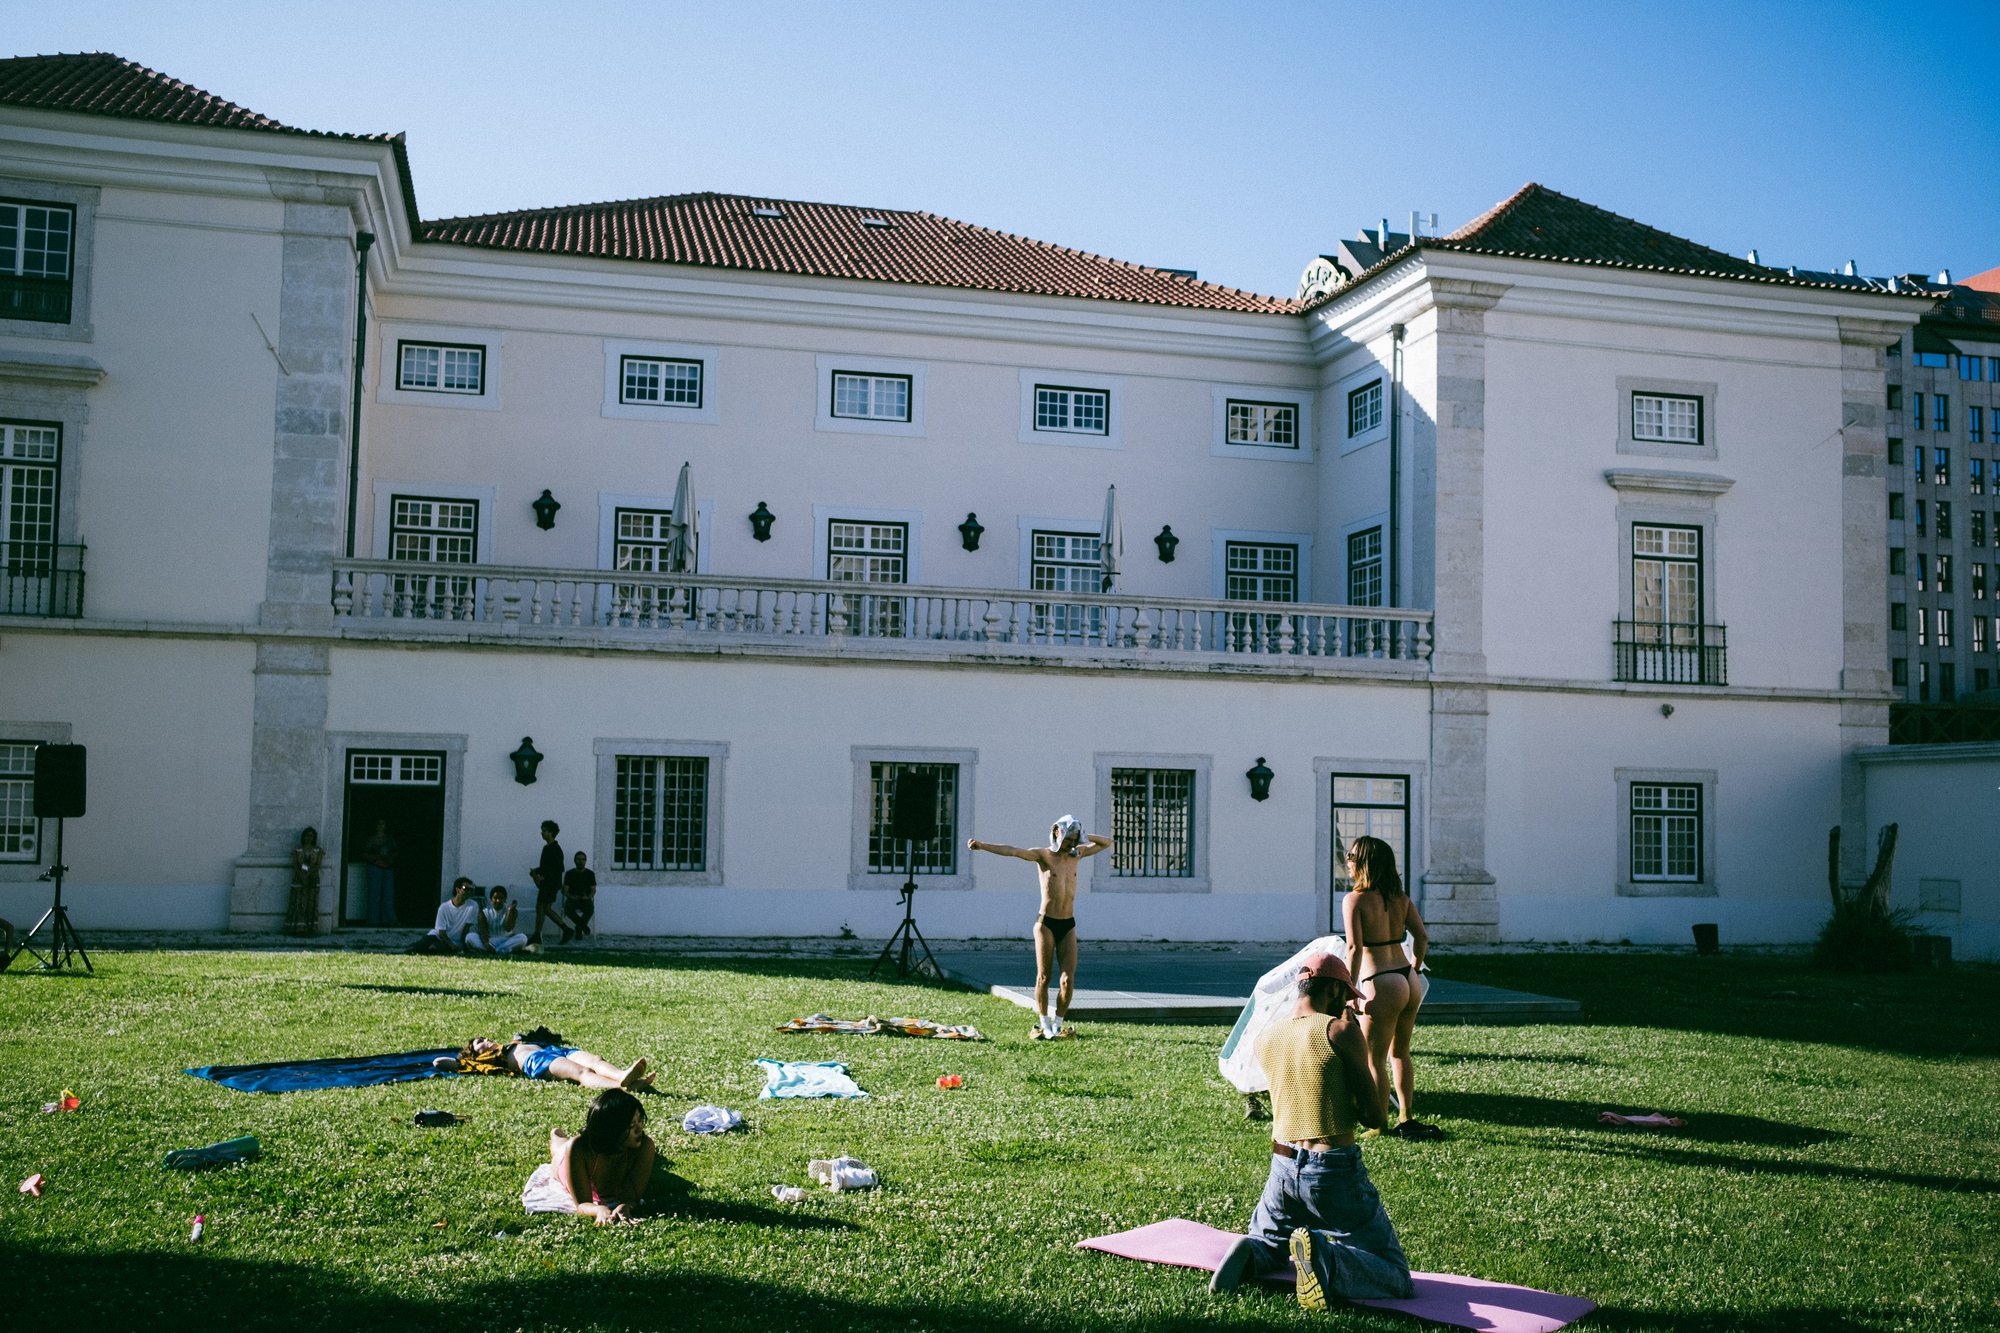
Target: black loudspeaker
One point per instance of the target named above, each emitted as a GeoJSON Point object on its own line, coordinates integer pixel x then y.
{"type": "Point", "coordinates": [59, 782]}
{"type": "Point", "coordinates": [913, 812]}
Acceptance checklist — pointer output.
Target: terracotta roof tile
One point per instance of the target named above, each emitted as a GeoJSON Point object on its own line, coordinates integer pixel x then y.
{"type": "Point", "coordinates": [1536, 222]}
{"type": "Point", "coordinates": [837, 241]}
{"type": "Point", "coordinates": [100, 84]}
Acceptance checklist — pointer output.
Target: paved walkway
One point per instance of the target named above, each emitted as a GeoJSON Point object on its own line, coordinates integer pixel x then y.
{"type": "Point", "coordinates": [1208, 983]}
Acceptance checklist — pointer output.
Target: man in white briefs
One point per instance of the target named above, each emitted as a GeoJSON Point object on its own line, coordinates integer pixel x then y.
{"type": "Point", "coordinates": [1055, 924]}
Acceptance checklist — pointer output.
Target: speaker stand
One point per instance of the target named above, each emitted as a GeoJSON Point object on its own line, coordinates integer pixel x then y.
{"type": "Point", "coordinates": [907, 934]}
{"type": "Point", "coordinates": [64, 943]}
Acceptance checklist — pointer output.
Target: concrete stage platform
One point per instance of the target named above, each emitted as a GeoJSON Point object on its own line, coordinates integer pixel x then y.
{"type": "Point", "coordinates": [1210, 984]}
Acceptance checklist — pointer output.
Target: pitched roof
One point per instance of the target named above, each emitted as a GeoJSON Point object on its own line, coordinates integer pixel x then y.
{"type": "Point", "coordinates": [100, 84]}
{"type": "Point", "coordinates": [1536, 222]}
{"type": "Point", "coordinates": [837, 241]}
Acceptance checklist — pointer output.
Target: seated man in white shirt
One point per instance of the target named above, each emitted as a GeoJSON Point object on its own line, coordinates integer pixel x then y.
{"type": "Point", "coordinates": [457, 920]}
{"type": "Point", "coordinates": [497, 931]}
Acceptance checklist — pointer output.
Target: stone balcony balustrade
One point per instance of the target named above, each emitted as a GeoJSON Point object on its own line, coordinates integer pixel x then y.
{"type": "Point", "coordinates": [573, 605]}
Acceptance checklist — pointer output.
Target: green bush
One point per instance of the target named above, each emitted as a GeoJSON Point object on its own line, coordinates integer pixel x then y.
{"type": "Point", "coordinates": [1862, 936]}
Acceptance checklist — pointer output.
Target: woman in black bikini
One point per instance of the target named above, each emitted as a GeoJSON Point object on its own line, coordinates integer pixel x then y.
{"type": "Point", "coordinates": [1378, 913]}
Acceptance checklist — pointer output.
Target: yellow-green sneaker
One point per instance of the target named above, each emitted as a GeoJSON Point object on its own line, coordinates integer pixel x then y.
{"type": "Point", "coordinates": [1312, 1296]}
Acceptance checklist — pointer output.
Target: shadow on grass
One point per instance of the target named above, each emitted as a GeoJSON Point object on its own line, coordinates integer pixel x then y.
{"type": "Point", "coordinates": [1504, 1108]}
{"type": "Point", "coordinates": [449, 991]}
{"type": "Point", "coordinates": [1497, 1057]}
{"type": "Point", "coordinates": [675, 1197]}
{"type": "Point", "coordinates": [205, 1289]}
{"type": "Point", "coordinates": [1945, 1013]}
{"type": "Point", "coordinates": [1667, 1155]}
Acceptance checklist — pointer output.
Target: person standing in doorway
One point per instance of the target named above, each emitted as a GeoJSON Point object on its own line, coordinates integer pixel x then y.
{"type": "Point", "coordinates": [378, 853]}
{"type": "Point", "coordinates": [302, 912]}
{"type": "Point", "coordinates": [1055, 924]}
{"type": "Point", "coordinates": [548, 876]}
{"type": "Point", "coordinates": [580, 894]}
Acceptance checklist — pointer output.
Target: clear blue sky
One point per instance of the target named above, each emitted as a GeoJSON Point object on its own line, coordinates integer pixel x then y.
{"type": "Point", "coordinates": [1237, 139]}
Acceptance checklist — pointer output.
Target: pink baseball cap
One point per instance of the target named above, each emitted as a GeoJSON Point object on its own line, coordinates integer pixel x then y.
{"type": "Point", "coordinates": [1327, 965]}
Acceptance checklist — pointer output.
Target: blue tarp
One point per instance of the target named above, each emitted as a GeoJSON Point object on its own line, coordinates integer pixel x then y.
{"type": "Point", "coordinates": [346, 1071]}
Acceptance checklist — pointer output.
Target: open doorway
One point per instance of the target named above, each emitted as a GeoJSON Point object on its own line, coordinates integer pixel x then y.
{"type": "Point", "coordinates": [404, 792]}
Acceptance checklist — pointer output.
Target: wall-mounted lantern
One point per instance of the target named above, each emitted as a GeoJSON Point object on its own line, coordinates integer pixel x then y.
{"type": "Point", "coordinates": [1260, 781]}
{"type": "Point", "coordinates": [526, 760]}
{"type": "Point", "coordinates": [1166, 541]}
{"type": "Point", "coordinates": [968, 532]}
{"type": "Point", "coordinates": [761, 519]}
{"type": "Point", "coordinates": [545, 511]}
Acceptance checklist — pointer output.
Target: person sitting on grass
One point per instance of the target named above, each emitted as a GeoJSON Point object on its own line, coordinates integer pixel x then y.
{"type": "Point", "coordinates": [541, 1054]}
{"type": "Point", "coordinates": [607, 1167]}
{"type": "Point", "coordinates": [1318, 1201]}
{"type": "Point", "coordinates": [457, 921]}
{"type": "Point", "coordinates": [498, 931]}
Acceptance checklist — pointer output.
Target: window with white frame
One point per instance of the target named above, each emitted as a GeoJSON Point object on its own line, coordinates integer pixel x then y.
{"type": "Point", "coordinates": [865, 397]}
{"type": "Point", "coordinates": [383, 768]}
{"type": "Point", "coordinates": [1666, 418]}
{"type": "Point", "coordinates": [1152, 823]}
{"type": "Point", "coordinates": [1364, 409]}
{"type": "Point", "coordinates": [17, 800]}
{"type": "Point", "coordinates": [889, 855]}
{"type": "Point", "coordinates": [1261, 572]}
{"type": "Point", "coordinates": [659, 382]}
{"type": "Point", "coordinates": [37, 260]}
{"type": "Point", "coordinates": [1666, 832]}
{"type": "Point", "coordinates": [1065, 562]}
{"type": "Point", "coordinates": [1364, 567]}
{"type": "Point", "coordinates": [1274, 425]}
{"type": "Point", "coordinates": [1072, 411]}
{"type": "Point", "coordinates": [30, 459]}
{"type": "Point", "coordinates": [640, 541]}
{"type": "Point", "coordinates": [434, 531]}
{"type": "Point", "coordinates": [424, 367]}
{"type": "Point", "coordinates": [862, 552]}
{"type": "Point", "coordinates": [1372, 806]}
{"type": "Point", "coordinates": [660, 813]}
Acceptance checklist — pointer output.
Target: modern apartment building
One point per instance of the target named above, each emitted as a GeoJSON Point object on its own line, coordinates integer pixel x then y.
{"type": "Point", "coordinates": [1944, 495]}
{"type": "Point", "coordinates": [1551, 549]}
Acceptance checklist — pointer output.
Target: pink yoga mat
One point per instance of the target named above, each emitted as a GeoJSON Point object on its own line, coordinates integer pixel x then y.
{"type": "Point", "coordinates": [1465, 1302]}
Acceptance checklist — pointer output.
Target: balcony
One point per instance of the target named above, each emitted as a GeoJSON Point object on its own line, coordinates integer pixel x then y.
{"type": "Point", "coordinates": [44, 300]}
{"type": "Point", "coordinates": [706, 608]}
{"type": "Point", "coordinates": [1658, 653]}
{"type": "Point", "coordinates": [41, 579]}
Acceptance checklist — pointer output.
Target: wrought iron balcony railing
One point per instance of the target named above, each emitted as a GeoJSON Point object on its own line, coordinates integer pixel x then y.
{"type": "Point", "coordinates": [567, 601]}
{"type": "Point", "coordinates": [1658, 652]}
{"type": "Point", "coordinates": [41, 579]}
{"type": "Point", "coordinates": [44, 300]}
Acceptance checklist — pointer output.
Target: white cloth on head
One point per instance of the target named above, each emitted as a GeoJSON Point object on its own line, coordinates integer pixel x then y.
{"type": "Point", "coordinates": [1062, 828]}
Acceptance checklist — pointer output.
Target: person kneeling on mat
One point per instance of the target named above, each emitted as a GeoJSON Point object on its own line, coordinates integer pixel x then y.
{"type": "Point", "coordinates": [1318, 1201]}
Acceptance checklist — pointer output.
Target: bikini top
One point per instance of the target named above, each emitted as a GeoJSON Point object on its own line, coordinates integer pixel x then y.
{"type": "Point", "coordinates": [1380, 944]}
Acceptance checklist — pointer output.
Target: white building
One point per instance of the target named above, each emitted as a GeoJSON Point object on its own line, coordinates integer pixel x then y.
{"type": "Point", "coordinates": [1504, 492]}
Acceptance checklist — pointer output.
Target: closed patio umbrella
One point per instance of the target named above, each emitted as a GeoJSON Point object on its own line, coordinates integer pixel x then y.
{"type": "Point", "coordinates": [1111, 551]}
{"type": "Point", "coordinates": [683, 545]}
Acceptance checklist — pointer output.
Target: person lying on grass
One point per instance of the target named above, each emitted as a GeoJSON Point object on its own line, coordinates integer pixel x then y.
{"type": "Point", "coordinates": [541, 1054]}
{"type": "Point", "coordinates": [607, 1167]}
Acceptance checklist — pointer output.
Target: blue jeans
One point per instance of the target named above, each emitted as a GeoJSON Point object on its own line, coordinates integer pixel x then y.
{"type": "Point", "coordinates": [1359, 1257]}
{"type": "Point", "coordinates": [381, 896]}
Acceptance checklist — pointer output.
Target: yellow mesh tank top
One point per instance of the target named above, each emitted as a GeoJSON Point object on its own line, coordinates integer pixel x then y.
{"type": "Point", "coordinates": [1309, 1095]}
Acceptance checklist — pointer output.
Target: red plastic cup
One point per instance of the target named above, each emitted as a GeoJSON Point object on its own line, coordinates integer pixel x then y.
{"type": "Point", "coordinates": [950, 1080]}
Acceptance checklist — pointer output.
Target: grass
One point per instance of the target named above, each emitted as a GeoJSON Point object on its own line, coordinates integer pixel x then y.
{"type": "Point", "coordinates": [1840, 1171]}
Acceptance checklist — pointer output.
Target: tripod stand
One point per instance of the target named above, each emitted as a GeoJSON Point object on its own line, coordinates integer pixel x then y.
{"type": "Point", "coordinates": [907, 933]}
{"type": "Point", "coordinates": [64, 942]}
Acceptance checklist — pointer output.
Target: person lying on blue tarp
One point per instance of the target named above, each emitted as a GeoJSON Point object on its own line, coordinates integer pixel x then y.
{"type": "Point", "coordinates": [541, 1054]}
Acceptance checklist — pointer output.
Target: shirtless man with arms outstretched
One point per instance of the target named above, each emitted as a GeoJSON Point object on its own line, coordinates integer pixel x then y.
{"type": "Point", "coordinates": [1055, 925]}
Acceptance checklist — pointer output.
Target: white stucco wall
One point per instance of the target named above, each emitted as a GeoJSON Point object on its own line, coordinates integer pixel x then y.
{"type": "Point", "coordinates": [166, 729]}
{"type": "Point", "coordinates": [1554, 814]}
{"type": "Point", "coordinates": [788, 792]}
{"type": "Point", "coordinates": [1945, 803]}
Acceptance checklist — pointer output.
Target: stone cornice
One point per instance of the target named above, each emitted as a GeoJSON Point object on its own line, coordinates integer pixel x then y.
{"type": "Point", "coordinates": [1671, 483]}
{"type": "Point", "coordinates": [78, 372]}
{"type": "Point", "coordinates": [1875, 333]}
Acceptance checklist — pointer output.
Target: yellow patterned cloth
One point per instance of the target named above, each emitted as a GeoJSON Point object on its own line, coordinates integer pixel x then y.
{"type": "Point", "coordinates": [872, 1026]}
{"type": "Point", "coordinates": [492, 1061]}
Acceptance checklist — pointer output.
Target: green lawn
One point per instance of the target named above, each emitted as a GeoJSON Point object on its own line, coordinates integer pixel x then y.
{"type": "Point", "coordinates": [1840, 1171]}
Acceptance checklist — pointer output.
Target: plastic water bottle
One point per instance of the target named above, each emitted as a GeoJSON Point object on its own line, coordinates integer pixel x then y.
{"type": "Point", "coordinates": [194, 1237]}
